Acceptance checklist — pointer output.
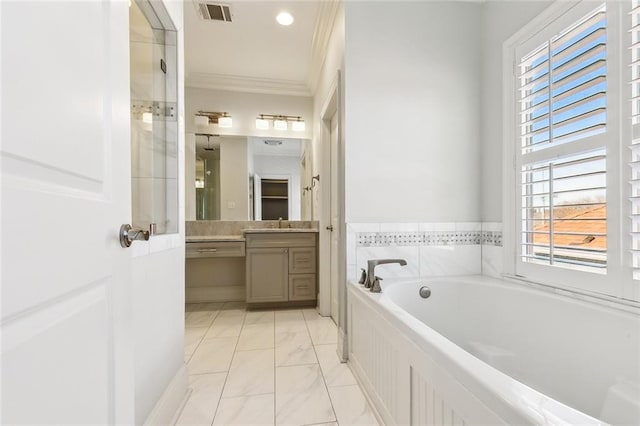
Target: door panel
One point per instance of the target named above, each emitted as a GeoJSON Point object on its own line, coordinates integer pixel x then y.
{"type": "Point", "coordinates": [267, 275]}
{"type": "Point", "coordinates": [66, 344]}
{"type": "Point", "coordinates": [70, 381]}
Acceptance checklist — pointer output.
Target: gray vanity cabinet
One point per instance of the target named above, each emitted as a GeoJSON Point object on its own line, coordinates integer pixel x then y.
{"type": "Point", "coordinates": [267, 275]}
{"type": "Point", "coordinates": [281, 267]}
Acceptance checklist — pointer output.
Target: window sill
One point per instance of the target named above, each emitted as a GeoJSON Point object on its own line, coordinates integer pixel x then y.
{"type": "Point", "coordinates": [625, 305]}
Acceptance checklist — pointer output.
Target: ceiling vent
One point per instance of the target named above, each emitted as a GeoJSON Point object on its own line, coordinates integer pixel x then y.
{"type": "Point", "coordinates": [210, 11]}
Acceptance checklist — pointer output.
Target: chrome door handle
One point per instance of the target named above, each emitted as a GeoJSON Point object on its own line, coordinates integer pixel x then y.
{"type": "Point", "coordinates": [207, 250]}
{"type": "Point", "coordinates": [330, 228]}
{"type": "Point", "coordinates": [128, 235]}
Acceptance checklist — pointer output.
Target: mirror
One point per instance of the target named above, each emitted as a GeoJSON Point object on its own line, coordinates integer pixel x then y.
{"type": "Point", "coordinates": [250, 178]}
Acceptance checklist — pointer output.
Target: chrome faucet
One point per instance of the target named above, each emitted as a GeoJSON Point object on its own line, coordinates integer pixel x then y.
{"type": "Point", "coordinates": [371, 276]}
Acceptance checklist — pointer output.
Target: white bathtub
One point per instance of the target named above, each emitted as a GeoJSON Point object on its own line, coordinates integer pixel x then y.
{"type": "Point", "coordinates": [486, 351]}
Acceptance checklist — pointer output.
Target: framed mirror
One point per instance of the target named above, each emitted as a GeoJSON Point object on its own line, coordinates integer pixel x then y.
{"type": "Point", "coordinates": [249, 178]}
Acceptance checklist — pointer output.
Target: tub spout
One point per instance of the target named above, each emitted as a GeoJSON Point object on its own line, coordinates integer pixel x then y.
{"type": "Point", "coordinates": [371, 266]}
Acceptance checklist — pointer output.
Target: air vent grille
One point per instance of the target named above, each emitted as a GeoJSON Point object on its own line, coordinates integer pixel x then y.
{"type": "Point", "coordinates": [215, 11]}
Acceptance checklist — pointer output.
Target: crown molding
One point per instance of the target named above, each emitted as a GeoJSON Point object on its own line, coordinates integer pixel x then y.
{"type": "Point", "coordinates": [320, 41]}
{"type": "Point", "coordinates": [236, 83]}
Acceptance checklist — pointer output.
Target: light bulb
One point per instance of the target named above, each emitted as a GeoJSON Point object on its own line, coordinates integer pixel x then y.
{"type": "Point", "coordinates": [280, 124]}
{"type": "Point", "coordinates": [201, 120]}
{"type": "Point", "coordinates": [225, 122]}
{"type": "Point", "coordinates": [284, 18]}
{"type": "Point", "coordinates": [262, 124]}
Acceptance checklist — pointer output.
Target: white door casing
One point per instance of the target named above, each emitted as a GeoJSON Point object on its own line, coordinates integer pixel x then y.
{"type": "Point", "coordinates": [332, 252]}
{"type": "Point", "coordinates": [334, 216]}
{"type": "Point", "coordinates": [66, 297]}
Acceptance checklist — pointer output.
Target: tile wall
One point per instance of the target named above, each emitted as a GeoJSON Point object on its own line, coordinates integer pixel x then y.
{"type": "Point", "coordinates": [492, 249]}
{"type": "Point", "coordinates": [430, 249]}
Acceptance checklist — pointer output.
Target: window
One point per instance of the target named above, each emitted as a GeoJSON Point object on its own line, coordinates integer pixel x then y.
{"type": "Point", "coordinates": [566, 214]}
{"type": "Point", "coordinates": [563, 127]}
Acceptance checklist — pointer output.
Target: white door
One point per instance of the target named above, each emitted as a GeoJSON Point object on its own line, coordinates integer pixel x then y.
{"type": "Point", "coordinates": [66, 315]}
{"type": "Point", "coordinates": [334, 217]}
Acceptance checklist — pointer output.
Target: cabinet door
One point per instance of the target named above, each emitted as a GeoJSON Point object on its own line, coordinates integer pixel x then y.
{"type": "Point", "coordinates": [267, 275]}
{"type": "Point", "coordinates": [302, 260]}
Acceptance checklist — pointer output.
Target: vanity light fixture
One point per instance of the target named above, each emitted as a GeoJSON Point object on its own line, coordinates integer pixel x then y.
{"type": "Point", "coordinates": [284, 18]}
{"type": "Point", "coordinates": [222, 119]}
{"type": "Point", "coordinates": [280, 122]}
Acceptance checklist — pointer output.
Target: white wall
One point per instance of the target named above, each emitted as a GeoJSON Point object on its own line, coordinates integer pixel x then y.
{"type": "Point", "coordinates": [158, 284]}
{"type": "Point", "coordinates": [244, 108]}
{"type": "Point", "coordinates": [234, 179]}
{"type": "Point", "coordinates": [500, 20]}
{"type": "Point", "coordinates": [412, 111]}
{"type": "Point", "coordinates": [282, 165]}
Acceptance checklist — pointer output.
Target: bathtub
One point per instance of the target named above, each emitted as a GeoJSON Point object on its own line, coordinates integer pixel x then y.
{"type": "Point", "coordinates": [482, 351]}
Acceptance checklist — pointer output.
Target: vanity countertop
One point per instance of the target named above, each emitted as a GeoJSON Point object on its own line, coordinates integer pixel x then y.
{"type": "Point", "coordinates": [210, 238]}
{"type": "Point", "coordinates": [270, 230]}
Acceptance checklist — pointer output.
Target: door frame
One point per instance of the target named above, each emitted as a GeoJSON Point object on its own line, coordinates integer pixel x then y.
{"type": "Point", "coordinates": [332, 106]}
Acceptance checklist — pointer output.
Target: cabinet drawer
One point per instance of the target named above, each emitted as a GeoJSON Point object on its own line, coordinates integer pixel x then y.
{"type": "Point", "coordinates": [282, 239]}
{"type": "Point", "coordinates": [215, 249]}
{"type": "Point", "coordinates": [302, 260]}
{"type": "Point", "coordinates": [302, 287]}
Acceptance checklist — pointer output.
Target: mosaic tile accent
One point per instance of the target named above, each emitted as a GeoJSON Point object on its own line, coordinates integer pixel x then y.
{"type": "Point", "coordinates": [431, 238]}
{"type": "Point", "coordinates": [492, 238]}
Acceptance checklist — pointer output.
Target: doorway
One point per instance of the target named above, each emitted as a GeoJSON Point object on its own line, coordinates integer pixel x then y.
{"type": "Point", "coordinates": [332, 264]}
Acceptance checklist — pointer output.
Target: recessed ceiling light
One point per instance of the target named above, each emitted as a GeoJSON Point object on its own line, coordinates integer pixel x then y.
{"type": "Point", "coordinates": [284, 18]}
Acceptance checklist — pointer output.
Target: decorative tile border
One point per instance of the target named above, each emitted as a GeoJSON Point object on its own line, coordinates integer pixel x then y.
{"type": "Point", "coordinates": [428, 238]}
{"type": "Point", "coordinates": [492, 238]}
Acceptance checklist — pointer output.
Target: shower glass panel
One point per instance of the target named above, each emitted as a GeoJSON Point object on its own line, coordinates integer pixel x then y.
{"type": "Point", "coordinates": [154, 124]}
{"type": "Point", "coordinates": [208, 185]}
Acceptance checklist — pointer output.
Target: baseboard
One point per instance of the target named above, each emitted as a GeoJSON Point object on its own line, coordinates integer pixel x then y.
{"type": "Point", "coordinates": [235, 293]}
{"type": "Point", "coordinates": [171, 401]}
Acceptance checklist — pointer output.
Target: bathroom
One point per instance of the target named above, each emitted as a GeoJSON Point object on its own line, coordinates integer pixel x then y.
{"type": "Point", "coordinates": [419, 101]}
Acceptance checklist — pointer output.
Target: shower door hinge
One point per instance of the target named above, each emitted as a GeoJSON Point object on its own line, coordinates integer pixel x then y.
{"type": "Point", "coordinates": [162, 111]}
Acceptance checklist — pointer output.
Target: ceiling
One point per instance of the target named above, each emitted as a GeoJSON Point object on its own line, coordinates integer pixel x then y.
{"type": "Point", "coordinates": [254, 47]}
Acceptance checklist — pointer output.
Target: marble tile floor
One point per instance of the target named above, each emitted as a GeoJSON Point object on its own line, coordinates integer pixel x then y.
{"type": "Point", "coordinates": [267, 367]}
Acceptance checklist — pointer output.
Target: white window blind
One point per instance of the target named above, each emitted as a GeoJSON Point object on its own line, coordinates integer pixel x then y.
{"type": "Point", "coordinates": [563, 101]}
{"type": "Point", "coordinates": [564, 212]}
{"type": "Point", "coordinates": [563, 86]}
{"type": "Point", "coordinates": [635, 138]}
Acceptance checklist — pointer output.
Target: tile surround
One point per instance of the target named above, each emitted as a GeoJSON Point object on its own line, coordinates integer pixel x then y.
{"type": "Point", "coordinates": [431, 249]}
